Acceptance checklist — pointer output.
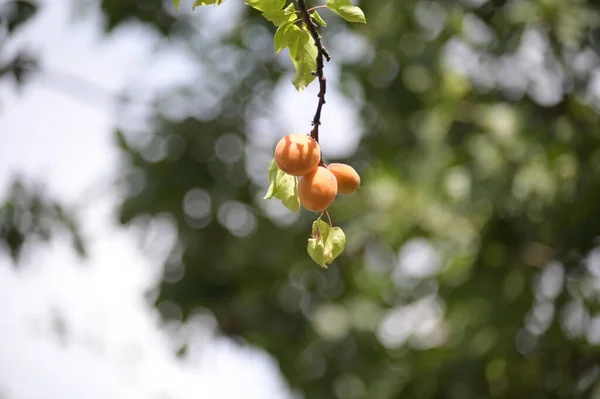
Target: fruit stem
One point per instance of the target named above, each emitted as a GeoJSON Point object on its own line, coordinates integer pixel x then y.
{"type": "Point", "coordinates": [321, 52]}
{"type": "Point", "coordinates": [329, 217]}
{"type": "Point", "coordinates": [314, 8]}
{"type": "Point", "coordinates": [317, 7]}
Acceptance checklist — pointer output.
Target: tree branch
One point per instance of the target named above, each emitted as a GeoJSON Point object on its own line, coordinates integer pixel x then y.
{"type": "Point", "coordinates": [321, 52]}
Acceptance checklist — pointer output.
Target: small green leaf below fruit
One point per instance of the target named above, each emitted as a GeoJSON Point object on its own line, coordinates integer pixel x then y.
{"type": "Point", "coordinates": [283, 187]}
{"type": "Point", "coordinates": [199, 3]}
{"type": "Point", "coordinates": [336, 242]}
{"type": "Point", "coordinates": [318, 18]}
{"type": "Point", "coordinates": [316, 250]}
{"type": "Point", "coordinates": [346, 10]}
{"type": "Point", "coordinates": [326, 243]}
{"type": "Point", "coordinates": [176, 4]}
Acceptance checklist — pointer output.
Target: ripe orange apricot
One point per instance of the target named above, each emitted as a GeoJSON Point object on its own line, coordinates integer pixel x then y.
{"type": "Point", "coordinates": [318, 189]}
{"type": "Point", "coordinates": [348, 180]}
{"type": "Point", "coordinates": [297, 154]}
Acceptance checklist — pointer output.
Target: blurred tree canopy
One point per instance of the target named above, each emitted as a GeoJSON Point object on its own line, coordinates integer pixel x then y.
{"type": "Point", "coordinates": [13, 16]}
{"type": "Point", "coordinates": [27, 215]}
{"type": "Point", "coordinates": [473, 263]}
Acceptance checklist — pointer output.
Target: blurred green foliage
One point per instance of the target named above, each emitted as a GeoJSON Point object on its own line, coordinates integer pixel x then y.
{"type": "Point", "coordinates": [472, 268]}
{"type": "Point", "coordinates": [19, 64]}
{"type": "Point", "coordinates": [27, 214]}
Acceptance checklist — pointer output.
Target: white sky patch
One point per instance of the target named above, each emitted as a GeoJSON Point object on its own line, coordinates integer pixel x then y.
{"type": "Point", "coordinates": [417, 259]}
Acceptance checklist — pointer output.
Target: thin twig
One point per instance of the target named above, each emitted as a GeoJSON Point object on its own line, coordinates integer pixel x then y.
{"type": "Point", "coordinates": [314, 8]}
{"type": "Point", "coordinates": [329, 217]}
{"type": "Point", "coordinates": [317, 7]}
{"type": "Point", "coordinates": [321, 52]}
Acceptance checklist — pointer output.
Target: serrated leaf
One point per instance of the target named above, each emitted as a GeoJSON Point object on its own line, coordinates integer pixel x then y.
{"type": "Point", "coordinates": [304, 55]}
{"type": "Point", "coordinates": [303, 76]}
{"type": "Point", "coordinates": [280, 17]}
{"type": "Point", "coordinates": [326, 243]}
{"type": "Point", "coordinates": [199, 3]}
{"type": "Point", "coordinates": [318, 18]}
{"type": "Point", "coordinates": [282, 36]}
{"type": "Point", "coordinates": [176, 5]}
{"type": "Point", "coordinates": [297, 41]}
{"type": "Point", "coordinates": [266, 5]}
{"type": "Point", "coordinates": [283, 187]}
{"type": "Point", "coordinates": [346, 10]}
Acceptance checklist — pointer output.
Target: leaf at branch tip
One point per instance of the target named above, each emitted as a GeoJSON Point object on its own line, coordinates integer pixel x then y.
{"type": "Point", "coordinates": [346, 10]}
{"type": "Point", "coordinates": [318, 18]}
{"type": "Point", "coordinates": [283, 35]}
{"type": "Point", "coordinates": [304, 75]}
{"type": "Point", "coordinates": [176, 5]}
{"type": "Point", "coordinates": [266, 5]}
{"type": "Point", "coordinates": [326, 243]}
{"type": "Point", "coordinates": [303, 52]}
{"type": "Point", "coordinates": [283, 187]}
{"type": "Point", "coordinates": [280, 17]}
{"type": "Point", "coordinates": [199, 3]}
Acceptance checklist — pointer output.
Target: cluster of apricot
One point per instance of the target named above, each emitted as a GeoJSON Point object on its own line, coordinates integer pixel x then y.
{"type": "Point", "coordinates": [300, 155]}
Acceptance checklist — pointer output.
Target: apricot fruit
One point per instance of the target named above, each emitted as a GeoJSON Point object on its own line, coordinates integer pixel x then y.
{"type": "Point", "coordinates": [348, 180]}
{"type": "Point", "coordinates": [317, 189]}
{"type": "Point", "coordinates": [297, 154]}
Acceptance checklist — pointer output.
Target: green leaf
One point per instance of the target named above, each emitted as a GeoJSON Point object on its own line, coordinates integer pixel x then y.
{"type": "Point", "coordinates": [283, 35]}
{"type": "Point", "coordinates": [318, 18]}
{"type": "Point", "coordinates": [316, 250]}
{"type": "Point", "coordinates": [198, 3]}
{"type": "Point", "coordinates": [283, 187]}
{"type": "Point", "coordinates": [280, 17]}
{"type": "Point", "coordinates": [303, 51]}
{"type": "Point", "coordinates": [304, 55]}
{"type": "Point", "coordinates": [326, 243]}
{"type": "Point", "coordinates": [176, 5]}
{"type": "Point", "coordinates": [303, 76]}
{"type": "Point", "coordinates": [336, 242]}
{"type": "Point", "coordinates": [298, 40]}
{"type": "Point", "coordinates": [346, 10]}
{"type": "Point", "coordinates": [316, 244]}
{"type": "Point", "coordinates": [266, 5]}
